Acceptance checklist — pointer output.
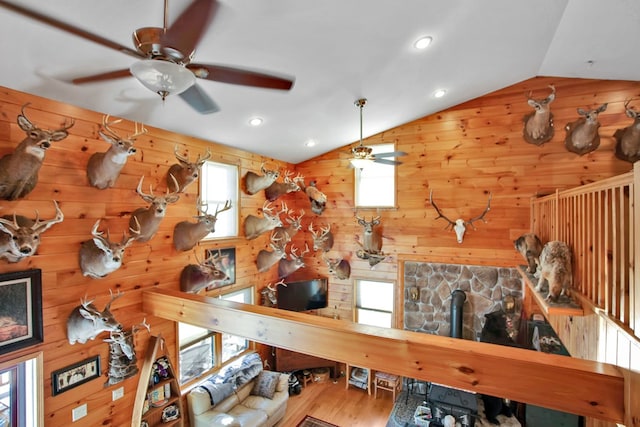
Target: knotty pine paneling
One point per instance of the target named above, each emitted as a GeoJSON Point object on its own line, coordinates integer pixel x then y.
{"type": "Point", "coordinates": [154, 264]}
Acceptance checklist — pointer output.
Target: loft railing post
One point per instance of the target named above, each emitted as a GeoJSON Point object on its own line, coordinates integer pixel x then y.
{"type": "Point", "coordinates": [634, 254]}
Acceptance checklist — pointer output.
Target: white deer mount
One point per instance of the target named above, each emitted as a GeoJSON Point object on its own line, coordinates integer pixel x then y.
{"type": "Point", "coordinates": [460, 225]}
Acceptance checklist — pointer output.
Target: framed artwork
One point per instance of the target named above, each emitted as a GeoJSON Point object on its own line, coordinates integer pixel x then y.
{"type": "Point", "coordinates": [72, 376]}
{"type": "Point", "coordinates": [227, 263]}
{"type": "Point", "coordinates": [20, 310]}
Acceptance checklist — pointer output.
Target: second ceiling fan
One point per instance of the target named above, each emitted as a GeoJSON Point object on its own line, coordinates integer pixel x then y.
{"type": "Point", "coordinates": [363, 155]}
{"type": "Point", "coordinates": [165, 56]}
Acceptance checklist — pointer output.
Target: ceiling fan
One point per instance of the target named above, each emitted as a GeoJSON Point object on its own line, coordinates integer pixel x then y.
{"type": "Point", "coordinates": [165, 56]}
{"type": "Point", "coordinates": [363, 155]}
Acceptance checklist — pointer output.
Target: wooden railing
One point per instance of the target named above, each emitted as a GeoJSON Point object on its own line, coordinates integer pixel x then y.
{"type": "Point", "coordinates": [599, 222]}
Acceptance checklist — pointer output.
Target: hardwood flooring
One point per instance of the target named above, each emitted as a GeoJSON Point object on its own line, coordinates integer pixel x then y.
{"type": "Point", "coordinates": [333, 403]}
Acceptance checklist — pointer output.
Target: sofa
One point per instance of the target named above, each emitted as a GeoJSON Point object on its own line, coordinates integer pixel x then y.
{"type": "Point", "coordinates": [243, 394]}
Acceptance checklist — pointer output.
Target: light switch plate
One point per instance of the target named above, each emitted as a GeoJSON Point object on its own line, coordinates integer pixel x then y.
{"type": "Point", "coordinates": [79, 412]}
{"type": "Point", "coordinates": [117, 393]}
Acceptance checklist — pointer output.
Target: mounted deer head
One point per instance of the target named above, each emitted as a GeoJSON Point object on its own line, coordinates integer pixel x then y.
{"type": "Point", "coordinates": [148, 219]}
{"type": "Point", "coordinates": [19, 170]}
{"type": "Point", "coordinates": [459, 225]}
{"type": "Point", "coordinates": [582, 135]}
{"type": "Point", "coordinates": [86, 322]}
{"type": "Point", "coordinates": [266, 259]}
{"type": "Point", "coordinates": [255, 226]}
{"type": "Point", "coordinates": [288, 266]}
{"type": "Point", "coordinates": [538, 125]}
{"type": "Point", "coordinates": [295, 225]}
{"type": "Point", "coordinates": [185, 172]}
{"type": "Point", "coordinates": [195, 278]}
{"type": "Point", "coordinates": [372, 235]}
{"type": "Point", "coordinates": [20, 236]}
{"type": "Point", "coordinates": [187, 234]}
{"type": "Point", "coordinates": [254, 183]}
{"type": "Point", "coordinates": [323, 239]}
{"type": "Point", "coordinates": [270, 294]}
{"type": "Point", "coordinates": [628, 139]}
{"type": "Point", "coordinates": [340, 268]}
{"type": "Point", "coordinates": [277, 189]}
{"type": "Point", "coordinates": [100, 256]}
{"type": "Point", "coordinates": [103, 169]}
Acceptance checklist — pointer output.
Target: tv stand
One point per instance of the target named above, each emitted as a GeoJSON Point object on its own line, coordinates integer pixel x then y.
{"type": "Point", "coordinates": [289, 361]}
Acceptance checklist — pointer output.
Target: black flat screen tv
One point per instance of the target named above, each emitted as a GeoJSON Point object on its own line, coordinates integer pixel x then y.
{"type": "Point", "coordinates": [303, 295]}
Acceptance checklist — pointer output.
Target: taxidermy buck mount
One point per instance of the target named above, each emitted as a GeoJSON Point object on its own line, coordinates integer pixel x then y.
{"type": "Point", "coordinates": [254, 183]}
{"type": "Point", "coordinates": [538, 125]}
{"type": "Point", "coordinates": [165, 54]}
{"type": "Point", "coordinates": [460, 225]}
{"type": "Point", "coordinates": [86, 322]}
{"type": "Point", "coordinates": [195, 278]}
{"type": "Point", "coordinates": [371, 241]}
{"type": "Point", "coordinates": [185, 172]}
{"type": "Point", "coordinates": [287, 266]}
{"type": "Point", "coordinates": [254, 226]}
{"type": "Point", "coordinates": [278, 189]}
{"type": "Point", "coordinates": [582, 134]}
{"type": "Point", "coordinates": [187, 234]}
{"type": "Point", "coordinates": [100, 256]}
{"type": "Point", "coordinates": [19, 170]}
{"type": "Point", "coordinates": [148, 219]}
{"type": "Point", "coordinates": [628, 139]}
{"type": "Point", "coordinates": [267, 259]}
{"type": "Point", "coordinates": [20, 236]}
{"type": "Point", "coordinates": [103, 169]}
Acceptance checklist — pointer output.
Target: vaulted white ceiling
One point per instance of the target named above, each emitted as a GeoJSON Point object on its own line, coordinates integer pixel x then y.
{"type": "Point", "coordinates": [337, 50]}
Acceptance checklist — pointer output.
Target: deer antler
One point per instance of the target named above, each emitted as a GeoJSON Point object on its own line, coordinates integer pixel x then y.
{"type": "Point", "coordinates": [226, 207]}
{"type": "Point", "coordinates": [481, 216]}
{"type": "Point", "coordinates": [440, 214]}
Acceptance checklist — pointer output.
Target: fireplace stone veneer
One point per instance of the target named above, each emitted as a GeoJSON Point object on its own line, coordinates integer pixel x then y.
{"type": "Point", "coordinates": [427, 295]}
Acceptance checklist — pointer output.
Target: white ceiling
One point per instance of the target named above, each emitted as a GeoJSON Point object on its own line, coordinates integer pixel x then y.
{"type": "Point", "coordinates": [337, 50]}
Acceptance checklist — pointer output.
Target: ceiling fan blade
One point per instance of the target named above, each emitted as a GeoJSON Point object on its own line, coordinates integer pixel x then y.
{"type": "Point", "coordinates": [69, 28]}
{"type": "Point", "coordinates": [199, 100]}
{"type": "Point", "coordinates": [391, 154]}
{"type": "Point", "coordinates": [386, 161]}
{"type": "Point", "coordinates": [187, 30]}
{"type": "Point", "coordinates": [109, 75]}
{"type": "Point", "coordinates": [239, 76]}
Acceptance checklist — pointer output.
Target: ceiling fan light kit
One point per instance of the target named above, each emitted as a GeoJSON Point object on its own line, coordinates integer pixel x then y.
{"type": "Point", "coordinates": [163, 77]}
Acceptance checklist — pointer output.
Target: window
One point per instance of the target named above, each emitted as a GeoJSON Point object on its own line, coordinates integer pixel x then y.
{"type": "Point", "coordinates": [21, 396]}
{"type": "Point", "coordinates": [376, 184]}
{"type": "Point", "coordinates": [202, 350]}
{"type": "Point", "coordinates": [374, 303]}
{"type": "Point", "coordinates": [219, 183]}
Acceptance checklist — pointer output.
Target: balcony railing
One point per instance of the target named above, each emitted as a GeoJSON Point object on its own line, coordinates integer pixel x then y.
{"type": "Point", "coordinates": [599, 222]}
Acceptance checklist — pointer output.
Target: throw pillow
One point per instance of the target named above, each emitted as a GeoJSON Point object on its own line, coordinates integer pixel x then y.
{"type": "Point", "coordinates": [265, 385]}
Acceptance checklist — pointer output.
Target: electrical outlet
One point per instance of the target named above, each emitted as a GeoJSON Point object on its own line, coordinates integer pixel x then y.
{"type": "Point", "coordinates": [117, 393]}
{"type": "Point", "coordinates": [79, 412]}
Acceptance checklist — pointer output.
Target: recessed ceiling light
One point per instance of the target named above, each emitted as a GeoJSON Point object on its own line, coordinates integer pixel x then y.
{"type": "Point", "coordinates": [423, 42]}
{"type": "Point", "coordinates": [439, 93]}
{"type": "Point", "coordinates": [255, 121]}
{"type": "Point", "coordinates": [310, 143]}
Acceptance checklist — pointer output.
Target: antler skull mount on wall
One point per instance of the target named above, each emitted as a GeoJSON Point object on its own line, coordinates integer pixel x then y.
{"type": "Point", "coordinates": [460, 225]}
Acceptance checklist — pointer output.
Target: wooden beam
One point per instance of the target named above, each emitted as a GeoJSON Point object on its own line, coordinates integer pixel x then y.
{"type": "Point", "coordinates": [559, 382]}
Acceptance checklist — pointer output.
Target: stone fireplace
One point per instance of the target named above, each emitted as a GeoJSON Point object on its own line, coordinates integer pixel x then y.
{"type": "Point", "coordinates": [428, 288]}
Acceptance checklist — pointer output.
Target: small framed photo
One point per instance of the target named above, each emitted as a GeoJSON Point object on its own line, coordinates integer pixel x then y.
{"type": "Point", "coordinates": [225, 260]}
{"type": "Point", "coordinates": [20, 310]}
{"type": "Point", "coordinates": [72, 376]}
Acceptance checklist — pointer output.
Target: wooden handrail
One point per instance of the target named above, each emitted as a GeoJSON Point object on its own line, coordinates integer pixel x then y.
{"type": "Point", "coordinates": [578, 386]}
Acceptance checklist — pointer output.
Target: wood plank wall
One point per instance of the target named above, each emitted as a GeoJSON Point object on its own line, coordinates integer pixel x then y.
{"type": "Point", "coordinates": [155, 264]}
{"type": "Point", "coordinates": [461, 153]}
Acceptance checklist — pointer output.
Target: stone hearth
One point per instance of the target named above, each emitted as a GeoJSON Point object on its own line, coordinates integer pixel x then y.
{"type": "Point", "coordinates": [432, 284]}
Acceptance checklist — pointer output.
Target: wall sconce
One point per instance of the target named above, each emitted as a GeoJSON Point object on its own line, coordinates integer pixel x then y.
{"type": "Point", "coordinates": [414, 293]}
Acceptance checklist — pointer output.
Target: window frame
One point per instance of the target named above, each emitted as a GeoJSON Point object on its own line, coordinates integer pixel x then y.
{"type": "Point", "coordinates": [235, 200]}
{"type": "Point", "coordinates": [31, 407]}
{"type": "Point", "coordinates": [218, 362]}
{"type": "Point", "coordinates": [356, 288]}
{"type": "Point", "coordinates": [357, 178]}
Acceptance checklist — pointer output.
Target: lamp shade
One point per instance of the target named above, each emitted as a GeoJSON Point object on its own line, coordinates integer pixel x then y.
{"type": "Point", "coordinates": [163, 77]}
{"type": "Point", "coordinates": [360, 163]}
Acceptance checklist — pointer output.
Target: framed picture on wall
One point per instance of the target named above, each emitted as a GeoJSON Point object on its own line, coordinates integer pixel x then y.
{"type": "Point", "coordinates": [72, 376]}
{"type": "Point", "coordinates": [20, 310]}
{"type": "Point", "coordinates": [225, 261]}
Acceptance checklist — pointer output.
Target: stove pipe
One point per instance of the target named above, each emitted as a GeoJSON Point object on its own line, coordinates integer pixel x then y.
{"type": "Point", "coordinates": [458, 298]}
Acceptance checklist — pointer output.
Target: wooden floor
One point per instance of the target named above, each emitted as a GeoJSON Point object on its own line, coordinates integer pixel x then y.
{"type": "Point", "coordinates": [333, 403]}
